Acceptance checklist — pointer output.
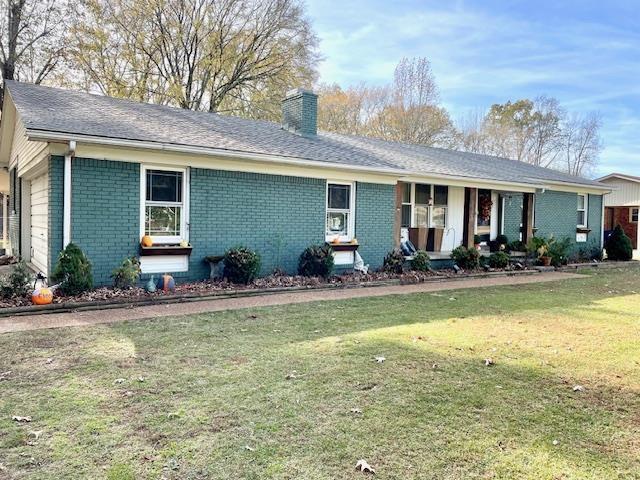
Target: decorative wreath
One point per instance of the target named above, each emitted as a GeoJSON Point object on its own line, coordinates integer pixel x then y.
{"type": "Point", "coordinates": [484, 207]}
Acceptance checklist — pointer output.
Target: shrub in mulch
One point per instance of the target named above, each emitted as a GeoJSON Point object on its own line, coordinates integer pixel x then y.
{"type": "Point", "coordinates": [618, 245]}
{"type": "Point", "coordinates": [316, 261]}
{"type": "Point", "coordinates": [241, 265]}
{"type": "Point", "coordinates": [393, 261]}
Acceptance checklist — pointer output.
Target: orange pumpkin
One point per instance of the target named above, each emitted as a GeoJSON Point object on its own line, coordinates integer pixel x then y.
{"type": "Point", "coordinates": [146, 241]}
{"type": "Point", "coordinates": [42, 296]}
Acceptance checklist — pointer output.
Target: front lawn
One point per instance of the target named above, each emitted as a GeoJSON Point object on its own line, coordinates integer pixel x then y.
{"type": "Point", "coordinates": [269, 393]}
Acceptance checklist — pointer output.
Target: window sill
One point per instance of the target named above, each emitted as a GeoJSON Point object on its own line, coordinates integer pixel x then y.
{"type": "Point", "coordinates": [343, 246]}
{"type": "Point", "coordinates": [165, 250]}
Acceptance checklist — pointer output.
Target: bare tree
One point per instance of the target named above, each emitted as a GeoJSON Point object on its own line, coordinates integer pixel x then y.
{"type": "Point", "coordinates": [581, 143]}
{"type": "Point", "coordinates": [31, 39]}
{"type": "Point", "coordinates": [406, 110]}
{"type": "Point", "coordinates": [216, 55]}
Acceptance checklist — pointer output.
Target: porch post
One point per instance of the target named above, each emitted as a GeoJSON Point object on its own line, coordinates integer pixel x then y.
{"type": "Point", "coordinates": [397, 221]}
{"type": "Point", "coordinates": [527, 216]}
{"type": "Point", "coordinates": [470, 216]}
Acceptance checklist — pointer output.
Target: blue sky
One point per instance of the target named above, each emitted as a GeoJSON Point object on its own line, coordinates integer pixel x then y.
{"type": "Point", "coordinates": [584, 53]}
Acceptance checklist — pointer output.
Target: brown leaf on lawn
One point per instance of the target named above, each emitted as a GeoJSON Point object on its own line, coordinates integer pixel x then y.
{"type": "Point", "coordinates": [118, 381]}
{"type": "Point", "coordinates": [578, 388]}
{"type": "Point", "coordinates": [18, 418]}
{"type": "Point", "coordinates": [5, 375]}
{"type": "Point", "coordinates": [364, 467]}
{"type": "Point", "coordinates": [488, 362]}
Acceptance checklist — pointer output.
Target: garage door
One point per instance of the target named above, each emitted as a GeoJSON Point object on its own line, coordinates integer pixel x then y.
{"type": "Point", "coordinates": [39, 221]}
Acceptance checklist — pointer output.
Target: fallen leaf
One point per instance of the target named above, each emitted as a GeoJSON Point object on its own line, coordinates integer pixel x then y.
{"type": "Point", "coordinates": [488, 362]}
{"type": "Point", "coordinates": [356, 410]}
{"type": "Point", "coordinates": [5, 375]}
{"type": "Point", "coordinates": [578, 388]}
{"type": "Point", "coordinates": [555, 442]}
{"type": "Point", "coordinates": [36, 434]}
{"type": "Point", "coordinates": [141, 379]}
{"type": "Point", "coordinates": [119, 381]}
{"type": "Point", "coordinates": [18, 418]}
{"type": "Point", "coordinates": [364, 467]}
{"type": "Point", "coordinates": [49, 360]}
{"type": "Point", "coordinates": [291, 375]}
{"type": "Point", "coordinates": [251, 449]}
{"type": "Point", "coordinates": [435, 366]}
{"type": "Point", "coordinates": [380, 359]}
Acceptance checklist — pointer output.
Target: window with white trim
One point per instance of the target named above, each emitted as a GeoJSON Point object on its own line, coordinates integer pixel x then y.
{"type": "Point", "coordinates": [164, 205]}
{"type": "Point", "coordinates": [340, 211]}
{"type": "Point", "coordinates": [430, 205]}
{"type": "Point", "coordinates": [582, 209]}
{"type": "Point", "coordinates": [406, 205]}
{"type": "Point", "coordinates": [633, 214]}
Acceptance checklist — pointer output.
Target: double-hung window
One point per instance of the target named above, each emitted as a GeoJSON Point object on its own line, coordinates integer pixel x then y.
{"type": "Point", "coordinates": [633, 214]}
{"type": "Point", "coordinates": [582, 210]}
{"type": "Point", "coordinates": [340, 211]}
{"type": "Point", "coordinates": [429, 205]}
{"type": "Point", "coordinates": [164, 205]}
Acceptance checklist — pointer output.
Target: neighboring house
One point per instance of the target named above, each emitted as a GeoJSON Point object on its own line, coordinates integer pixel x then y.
{"type": "Point", "coordinates": [102, 172]}
{"type": "Point", "coordinates": [622, 206]}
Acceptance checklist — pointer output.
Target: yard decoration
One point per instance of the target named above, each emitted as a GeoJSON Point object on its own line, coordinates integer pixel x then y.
{"type": "Point", "coordinates": [364, 467]}
{"type": "Point", "coordinates": [167, 283]}
{"type": "Point", "coordinates": [147, 241]}
{"type": "Point", "coordinates": [484, 207]}
{"type": "Point", "coordinates": [184, 243]}
{"type": "Point", "coordinates": [42, 296]}
{"type": "Point", "coordinates": [150, 286]}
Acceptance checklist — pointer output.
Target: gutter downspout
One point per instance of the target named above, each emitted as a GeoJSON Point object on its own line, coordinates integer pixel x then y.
{"type": "Point", "coordinates": [66, 203]}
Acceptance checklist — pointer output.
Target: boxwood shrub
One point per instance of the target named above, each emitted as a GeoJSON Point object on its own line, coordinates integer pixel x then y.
{"type": "Point", "coordinates": [499, 260]}
{"type": "Point", "coordinates": [618, 245]}
{"type": "Point", "coordinates": [316, 261]}
{"type": "Point", "coordinates": [421, 261]}
{"type": "Point", "coordinates": [393, 261]}
{"type": "Point", "coordinates": [241, 265]}
{"type": "Point", "coordinates": [466, 258]}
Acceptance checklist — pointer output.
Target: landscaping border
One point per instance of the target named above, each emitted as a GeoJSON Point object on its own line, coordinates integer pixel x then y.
{"type": "Point", "coordinates": [198, 297]}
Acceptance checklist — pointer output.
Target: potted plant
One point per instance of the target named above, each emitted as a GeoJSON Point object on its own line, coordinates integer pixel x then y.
{"type": "Point", "coordinates": [543, 257]}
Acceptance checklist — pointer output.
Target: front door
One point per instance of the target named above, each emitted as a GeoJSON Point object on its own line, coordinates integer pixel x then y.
{"type": "Point", "coordinates": [483, 221]}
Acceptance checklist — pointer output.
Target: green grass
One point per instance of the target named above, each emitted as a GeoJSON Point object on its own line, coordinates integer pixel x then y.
{"type": "Point", "coordinates": [215, 384]}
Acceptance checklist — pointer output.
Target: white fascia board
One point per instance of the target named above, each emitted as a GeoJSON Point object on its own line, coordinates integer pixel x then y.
{"type": "Point", "coordinates": [236, 154]}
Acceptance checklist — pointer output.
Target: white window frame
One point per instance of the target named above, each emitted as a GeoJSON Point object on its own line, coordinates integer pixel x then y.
{"type": "Point", "coordinates": [430, 206]}
{"type": "Point", "coordinates": [351, 226]}
{"type": "Point", "coordinates": [585, 209]}
{"type": "Point", "coordinates": [631, 209]}
{"type": "Point", "coordinates": [184, 217]}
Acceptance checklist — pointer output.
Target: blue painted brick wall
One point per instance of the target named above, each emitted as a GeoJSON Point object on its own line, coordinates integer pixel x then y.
{"type": "Point", "coordinates": [105, 212]}
{"type": "Point", "coordinates": [278, 216]}
{"type": "Point", "coordinates": [56, 199]}
{"type": "Point", "coordinates": [375, 211]}
{"type": "Point", "coordinates": [513, 216]}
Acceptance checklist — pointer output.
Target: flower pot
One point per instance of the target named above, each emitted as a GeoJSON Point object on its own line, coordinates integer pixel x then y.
{"type": "Point", "coordinates": [546, 261]}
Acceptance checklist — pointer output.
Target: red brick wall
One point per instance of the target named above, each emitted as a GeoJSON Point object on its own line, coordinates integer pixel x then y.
{"type": "Point", "coordinates": [621, 216]}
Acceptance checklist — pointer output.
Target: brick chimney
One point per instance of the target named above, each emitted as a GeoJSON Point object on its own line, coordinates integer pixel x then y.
{"type": "Point", "coordinates": [300, 112]}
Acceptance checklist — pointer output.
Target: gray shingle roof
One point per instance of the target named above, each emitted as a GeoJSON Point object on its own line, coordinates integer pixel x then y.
{"type": "Point", "coordinates": [65, 111]}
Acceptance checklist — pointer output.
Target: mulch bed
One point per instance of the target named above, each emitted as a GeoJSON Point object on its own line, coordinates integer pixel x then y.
{"type": "Point", "coordinates": [105, 294]}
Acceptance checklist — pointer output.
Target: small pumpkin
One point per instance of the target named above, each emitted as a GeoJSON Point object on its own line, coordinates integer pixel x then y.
{"type": "Point", "coordinates": [42, 296]}
{"type": "Point", "coordinates": [147, 241]}
{"type": "Point", "coordinates": [184, 243]}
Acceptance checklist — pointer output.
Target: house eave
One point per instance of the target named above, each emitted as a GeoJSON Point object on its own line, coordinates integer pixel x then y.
{"type": "Point", "coordinates": [399, 174]}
